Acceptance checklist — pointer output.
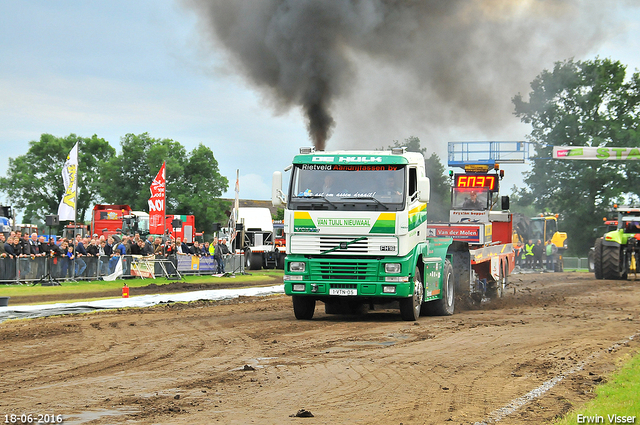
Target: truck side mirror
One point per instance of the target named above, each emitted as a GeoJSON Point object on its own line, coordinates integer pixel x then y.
{"type": "Point", "coordinates": [277, 196]}
{"type": "Point", "coordinates": [424, 187]}
{"type": "Point", "coordinates": [505, 203]}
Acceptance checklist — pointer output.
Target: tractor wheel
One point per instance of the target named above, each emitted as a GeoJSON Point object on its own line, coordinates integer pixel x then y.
{"type": "Point", "coordinates": [612, 267]}
{"type": "Point", "coordinates": [597, 259]}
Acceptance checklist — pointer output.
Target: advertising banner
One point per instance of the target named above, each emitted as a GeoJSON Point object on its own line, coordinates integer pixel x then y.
{"type": "Point", "coordinates": [472, 234]}
{"type": "Point", "coordinates": [207, 264]}
{"type": "Point", "coordinates": [188, 263]}
{"type": "Point", "coordinates": [157, 203]}
{"type": "Point", "coordinates": [595, 153]}
{"type": "Point", "coordinates": [143, 269]}
{"type": "Point", "coordinates": [67, 208]}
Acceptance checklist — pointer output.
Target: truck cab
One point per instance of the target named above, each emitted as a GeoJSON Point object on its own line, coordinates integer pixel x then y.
{"type": "Point", "coordinates": [356, 234]}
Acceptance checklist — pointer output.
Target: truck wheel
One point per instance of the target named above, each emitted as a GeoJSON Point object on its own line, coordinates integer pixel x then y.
{"type": "Point", "coordinates": [597, 259]}
{"type": "Point", "coordinates": [280, 260]}
{"type": "Point", "coordinates": [254, 260]}
{"type": "Point", "coordinates": [303, 307]}
{"type": "Point", "coordinates": [612, 263]}
{"type": "Point", "coordinates": [446, 305]}
{"type": "Point", "coordinates": [410, 307]}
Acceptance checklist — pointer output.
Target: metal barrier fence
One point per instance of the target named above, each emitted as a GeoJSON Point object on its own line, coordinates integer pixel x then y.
{"type": "Point", "coordinates": [48, 270]}
{"type": "Point", "coordinates": [576, 263]}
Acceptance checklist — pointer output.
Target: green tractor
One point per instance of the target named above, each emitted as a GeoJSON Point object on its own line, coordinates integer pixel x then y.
{"type": "Point", "coordinates": [617, 253]}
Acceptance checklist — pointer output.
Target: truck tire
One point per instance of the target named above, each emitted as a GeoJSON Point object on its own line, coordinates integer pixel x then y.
{"type": "Point", "coordinates": [612, 263]}
{"type": "Point", "coordinates": [303, 307]}
{"type": "Point", "coordinates": [597, 259]}
{"type": "Point", "coordinates": [445, 305]}
{"type": "Point", "coordinates": [410, 307]}
{"type": "Point", "coordinates": [280, 260]}
{"type": "Point", "coordinates": [253, 260]}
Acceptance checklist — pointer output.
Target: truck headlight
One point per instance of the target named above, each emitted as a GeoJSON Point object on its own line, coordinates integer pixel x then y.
{"type": "Point", "coordinates": [297, 266]}
{"type": "Point", "coordinates": [392, 268]}
{"type": "Point", "coordinates": [388, 289]}
{"type": "Point", "coordinates": [298, 287]}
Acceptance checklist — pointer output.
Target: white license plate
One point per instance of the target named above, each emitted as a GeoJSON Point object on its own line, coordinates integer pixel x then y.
{"type": "Point", "coordinates": [337, 291]}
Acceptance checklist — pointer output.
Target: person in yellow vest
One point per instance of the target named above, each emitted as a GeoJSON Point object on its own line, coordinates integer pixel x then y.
{"type": "Point", "coordinates": [528, 251]}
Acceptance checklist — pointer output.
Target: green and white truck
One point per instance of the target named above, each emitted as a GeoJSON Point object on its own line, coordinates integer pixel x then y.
{"type": "Point", "coordinates": [356, 230]}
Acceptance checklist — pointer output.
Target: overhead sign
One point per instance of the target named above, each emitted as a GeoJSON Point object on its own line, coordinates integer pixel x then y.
{"type": "Point", "coordinates": [596, 153]}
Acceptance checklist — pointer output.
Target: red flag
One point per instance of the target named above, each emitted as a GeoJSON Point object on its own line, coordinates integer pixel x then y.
{"type": "Point", "coordinates": [157, 203]}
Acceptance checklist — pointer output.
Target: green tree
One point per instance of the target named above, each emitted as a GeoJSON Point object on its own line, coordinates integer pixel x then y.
{"type": "Point", "coordinates": [194, 183]}
{"type": "Point", "coordinates": [583, 103]}
{"type": "Point", "coordinates": [440, 199]}
{"type": "Point", "coordinates": [34, 180]}
{"type": "Point", "coordinates": [279, 215]}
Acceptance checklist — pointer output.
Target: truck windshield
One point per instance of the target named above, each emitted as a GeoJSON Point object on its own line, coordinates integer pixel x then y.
{"type": "Point", "coordinates": [133, 224]}
{"type": "Point", "coordinates": [349, 187]}
{"type": "Point", "coordinates": [537, 229]}
{"type": "Point", "coordinates": [470, 198]}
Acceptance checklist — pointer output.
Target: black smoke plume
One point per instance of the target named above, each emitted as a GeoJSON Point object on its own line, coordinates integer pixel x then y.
{"type": "Point", "coordinates": [465, 56]}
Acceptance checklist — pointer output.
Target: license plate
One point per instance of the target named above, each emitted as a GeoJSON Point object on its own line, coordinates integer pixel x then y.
{"type": "Point", "coordinates": [347, 292]}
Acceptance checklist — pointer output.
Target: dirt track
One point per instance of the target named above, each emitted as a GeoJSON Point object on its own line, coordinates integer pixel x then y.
{"type": "Point", "coordinates": [250, 361]}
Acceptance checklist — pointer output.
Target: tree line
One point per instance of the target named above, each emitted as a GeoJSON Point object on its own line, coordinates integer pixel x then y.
{"type": "Point", "coordinates": [581, 103]}
{"type": "Point", "coordinates": [577, 103]}
{"type": "Point", "coordinates": [194, 184]}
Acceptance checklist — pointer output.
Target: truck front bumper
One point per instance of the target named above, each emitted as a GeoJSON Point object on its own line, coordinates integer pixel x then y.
{"type": "Point", "coordinates": [345, 277]}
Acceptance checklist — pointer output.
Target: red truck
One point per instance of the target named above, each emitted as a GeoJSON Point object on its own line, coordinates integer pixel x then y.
{"type": "Point", "coordinates": [107, 219]}
{"type": "Point", "coordinates": [181, 226]}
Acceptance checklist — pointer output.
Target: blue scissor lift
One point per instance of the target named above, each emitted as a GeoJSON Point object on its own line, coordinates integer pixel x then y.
{"type": "Point", "coordinates": [461, 154]}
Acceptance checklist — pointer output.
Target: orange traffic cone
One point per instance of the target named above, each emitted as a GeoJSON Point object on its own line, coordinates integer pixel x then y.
{"type": "Point", "coordinates": [125, 291]}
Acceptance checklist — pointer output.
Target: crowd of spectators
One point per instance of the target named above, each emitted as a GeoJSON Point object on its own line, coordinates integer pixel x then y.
{"type": "Point", "coordinates": [96, 255]}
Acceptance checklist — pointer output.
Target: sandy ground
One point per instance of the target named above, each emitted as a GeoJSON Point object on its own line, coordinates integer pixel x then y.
{"type": "Point", "coordinates": [249, 361]}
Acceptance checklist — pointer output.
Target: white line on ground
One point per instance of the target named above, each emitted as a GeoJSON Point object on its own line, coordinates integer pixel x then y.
{"type": "Point", "coordinates": [499, 414]}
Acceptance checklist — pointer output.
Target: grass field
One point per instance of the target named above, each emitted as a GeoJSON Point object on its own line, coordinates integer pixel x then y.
{"type": "Point", "coordinates": [620, 396]}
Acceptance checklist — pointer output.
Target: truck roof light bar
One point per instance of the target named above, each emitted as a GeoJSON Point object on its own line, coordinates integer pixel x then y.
{"type": "Point", "coordinates": [307, 150]}
{"type": "Point", "coordinates": [399, 151]}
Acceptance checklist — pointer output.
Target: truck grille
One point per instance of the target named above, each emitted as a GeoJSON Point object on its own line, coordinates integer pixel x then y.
{"type": "Point", "coordinates": [342, 270]}
{"type": "Point", "coordinates": [371, 245]}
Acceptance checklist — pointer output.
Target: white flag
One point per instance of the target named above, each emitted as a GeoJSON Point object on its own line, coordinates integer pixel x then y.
{"type": "Point", "coordinates": [67, 208]}
{"type": "Point", "coordinates": [117, 272]}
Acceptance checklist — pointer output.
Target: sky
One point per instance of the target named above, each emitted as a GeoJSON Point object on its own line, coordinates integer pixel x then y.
{"type": "Point", "coordinates": [113, 67]}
